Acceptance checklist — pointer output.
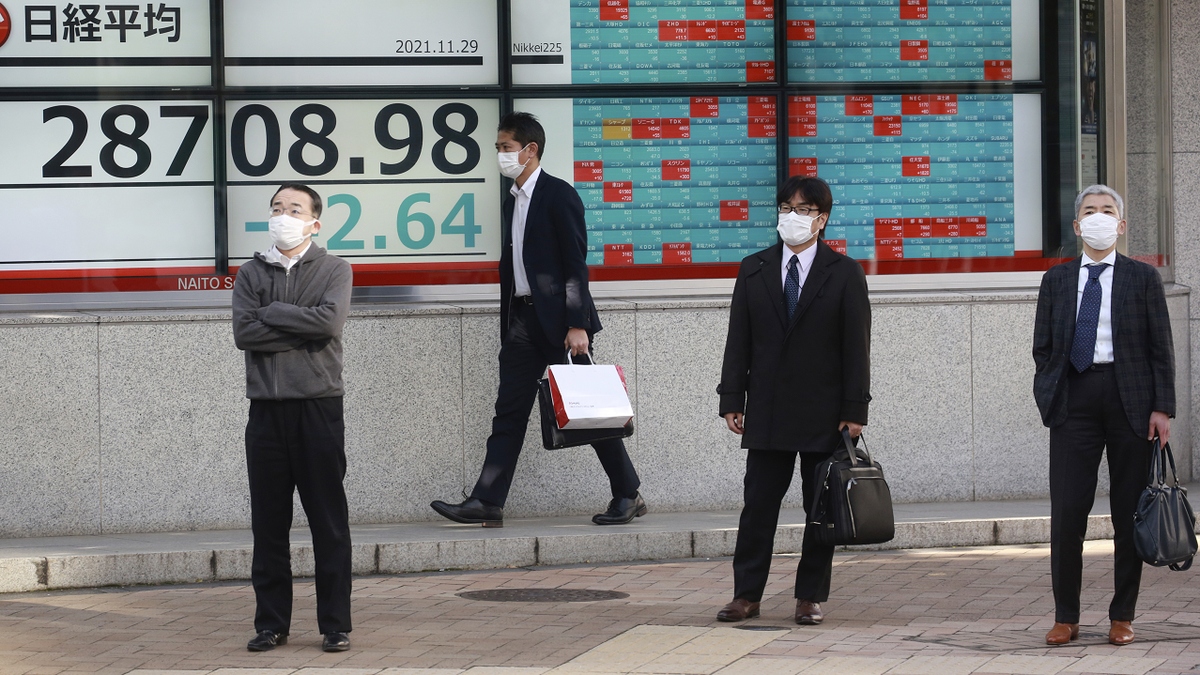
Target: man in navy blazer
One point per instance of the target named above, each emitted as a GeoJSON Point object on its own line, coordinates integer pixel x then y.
{"type": "Point", "coordinates": [1105, 379]}
{"type": "Point", "coordinates": [545, 310]}
{"type": "Point", "coordinates": [797, 370]}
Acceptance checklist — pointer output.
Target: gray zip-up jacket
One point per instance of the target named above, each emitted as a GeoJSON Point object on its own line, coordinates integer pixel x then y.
{"type": "Point", "coordinates": [289, 323]}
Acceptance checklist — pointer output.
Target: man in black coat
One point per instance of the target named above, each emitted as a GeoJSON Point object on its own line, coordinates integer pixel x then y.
{"type": "Point", "coordinates": [545, 310]}
{"type": "Point", "coordinates": [796, 371]}
{"type": "Point", "coordinates": [1105, 379]}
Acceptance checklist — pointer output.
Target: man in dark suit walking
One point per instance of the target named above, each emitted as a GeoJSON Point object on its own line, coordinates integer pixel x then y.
{"type": "Point", "coordinates": [796, 371]}
{"type": "Point", "coordinates": [545, 310]}
{"type": "Point", "coordinates": [1105, 380]}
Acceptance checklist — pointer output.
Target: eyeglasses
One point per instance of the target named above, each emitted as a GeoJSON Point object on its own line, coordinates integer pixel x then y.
{"type": "Point", "coordinates": [799, 210]}
{"type": "Point", "coordinates": [293, 212]}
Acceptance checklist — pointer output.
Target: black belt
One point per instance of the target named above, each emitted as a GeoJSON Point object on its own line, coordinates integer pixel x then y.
{"type": "Point", "coordinates": [523, 300]}
{"type": "Point", "coordinates": [1098, 367]}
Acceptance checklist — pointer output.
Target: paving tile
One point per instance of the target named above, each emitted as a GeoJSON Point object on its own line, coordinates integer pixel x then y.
{"type": "Point", "coordinates": [850, 665]}
{"type": "Point", "coordinates": [767, 666]}
{"type": "Point", "coordinates": [940, 665]}
{"type": "Point", "coordinates": [1026, 665]}
{"type": "Point", "coordinates": [1113, 665]}
{"type": "Point", "coordinates": [502, 670]}
{"type": "Point", "coordinates": [705, 652]}
{"type": "Point", "coordinates": [147, 671]}
{"type": "Point", "coordinates": [634, 648]}
{"type": "Point", "coordinates": [337, 671]}
{"type": "Point", "coordinates": [253, 671]}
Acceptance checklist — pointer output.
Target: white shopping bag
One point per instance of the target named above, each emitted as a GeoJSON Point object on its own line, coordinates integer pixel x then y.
{"type": "Point", "coordinates": [589, 396]}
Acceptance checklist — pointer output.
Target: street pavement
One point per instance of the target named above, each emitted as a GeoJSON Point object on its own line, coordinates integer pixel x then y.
{"type": "Point", "coordinates": [933, 611]}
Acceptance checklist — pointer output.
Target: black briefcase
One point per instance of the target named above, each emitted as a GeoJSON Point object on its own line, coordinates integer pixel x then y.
{"type": "Point", "coordinates": [1164, 525]}
{"type": "Point", "coordinates": [554, 438]}
{"type": "Point", "coordinates": [853, 504]}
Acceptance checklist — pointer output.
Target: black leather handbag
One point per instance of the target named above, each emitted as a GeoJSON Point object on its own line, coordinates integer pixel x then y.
{"type": "Point", "coordinates": [853, 504]}
{"type": "Point", "coordinates": [1164, 525]}
{"type": "Point", "coordinates": [554, 438]}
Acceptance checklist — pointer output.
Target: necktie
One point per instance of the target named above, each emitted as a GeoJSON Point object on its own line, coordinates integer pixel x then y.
{"type": "Point", "coordinates": [791, 287]}
{"type": "Point", "coordinates": [1085, 323]}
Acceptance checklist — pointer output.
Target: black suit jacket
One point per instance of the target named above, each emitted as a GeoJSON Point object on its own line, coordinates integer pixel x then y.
{"type": "Point", "coordinates": [1143, 354]}
{"type": "Point", "coordinates": [796, 380]}
{"type": "Point", "coordinates": [555, 257]}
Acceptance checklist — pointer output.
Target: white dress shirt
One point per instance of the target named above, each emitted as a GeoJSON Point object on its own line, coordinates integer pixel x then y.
{"type": "Point", "coordinates": [803, 264]}
{"type": "Point", "coordinates": [1104, 335]}
{"type": "Point", "coordinates": [273, 255]}
{"type": "Point", "coordinates": [521, 209]}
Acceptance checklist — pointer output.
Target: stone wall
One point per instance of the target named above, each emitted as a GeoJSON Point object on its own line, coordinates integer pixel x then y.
{"type": "Point", "coordinates": [1185, 158]}
{"type": "Point", "coordinates": [122, 422]}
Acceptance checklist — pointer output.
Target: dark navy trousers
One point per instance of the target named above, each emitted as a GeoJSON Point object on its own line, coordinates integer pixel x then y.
{"type": "Point", "coordinates": [1096, 421]}
{"type": "Point", "coordinates": [768, 476]}
{"type": "Point", "coordinates": [524, 356]}
{"type": "Point", "coordinates": [298, 445]}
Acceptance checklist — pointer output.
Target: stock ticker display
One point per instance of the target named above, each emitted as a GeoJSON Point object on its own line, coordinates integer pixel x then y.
{"type": "Point", "coordinates": [692, 180]}
{"type": "Point", "coordinates": [899, 40]}
{"type": "Point", "coordinates": [676, 120]}
{"type": "Point", "coordinates": [916, 176]}
{"type": "Point", "coordinates": [676, 180]}
{"type": "Point", "coordinates": [672, 41]}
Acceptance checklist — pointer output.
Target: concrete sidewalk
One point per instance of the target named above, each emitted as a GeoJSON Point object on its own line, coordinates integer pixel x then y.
{"type": "Point", "coordinates": [189, 557]}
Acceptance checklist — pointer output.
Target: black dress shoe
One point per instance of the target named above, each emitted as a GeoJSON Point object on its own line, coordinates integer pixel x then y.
{"type": "Point", "coordinates": [266, 640]}
{"type": "Point", "coordinates": [335, 642]}
{"type": "Point", "coordinates": [621, 510]}
{"type": "Point", "coordinates": [471, 511]}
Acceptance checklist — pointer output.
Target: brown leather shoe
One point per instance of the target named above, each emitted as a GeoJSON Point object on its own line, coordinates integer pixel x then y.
{"type": "Point", "coordinates": [1062, 633]}
{"type": "Point", "coordinates": [808, 613]}
{"type": "Point", "coordinates": [1121, 633]}
{"type": "Point", "coordinates": [738, 610]}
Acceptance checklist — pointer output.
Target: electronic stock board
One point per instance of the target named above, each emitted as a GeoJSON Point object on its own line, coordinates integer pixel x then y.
{"type": "Point", "coordinates": [691, 179]}
{"type": "Point", "coordinates": [675, 120]}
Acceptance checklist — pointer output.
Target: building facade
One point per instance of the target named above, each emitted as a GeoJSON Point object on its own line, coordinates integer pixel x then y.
{"type": "Point", "coordinates": [124, 396]}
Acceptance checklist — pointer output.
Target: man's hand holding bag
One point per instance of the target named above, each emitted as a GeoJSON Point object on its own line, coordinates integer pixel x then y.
{"type": "Point", "coordinates": [589, 397]}
{"type": "Point", "coordinates": [854, 503]}
{"type": "Point", "coordinates": [582, 404]}
{"type": "Point", "coordinates": [1164, 524]}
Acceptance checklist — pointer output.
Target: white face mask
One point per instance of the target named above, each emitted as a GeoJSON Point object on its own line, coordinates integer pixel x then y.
{"type": "Point", "coordinates": [509, 165]}
{"type": "Point", "coordinates": [1099, 231]}
{"type": "Point", "coordinates": [287, 232]}
{"type": "Point", "coordinates": [794, 228]}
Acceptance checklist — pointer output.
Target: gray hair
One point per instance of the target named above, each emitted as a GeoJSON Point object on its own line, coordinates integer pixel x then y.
{"type": "Point", "coordinates": [1101, 190]}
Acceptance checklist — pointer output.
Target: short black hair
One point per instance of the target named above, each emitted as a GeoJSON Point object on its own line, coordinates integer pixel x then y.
{"type": "Point", "coordinates": [300, 187]}
{"type": "Point", "coordinates": [810, 188]}
{"type": "Point", "coordinates": [525, 129]}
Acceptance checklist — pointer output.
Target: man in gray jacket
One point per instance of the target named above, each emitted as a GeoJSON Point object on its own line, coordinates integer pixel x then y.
{"type": "Point", "coordinates": [289, 306]}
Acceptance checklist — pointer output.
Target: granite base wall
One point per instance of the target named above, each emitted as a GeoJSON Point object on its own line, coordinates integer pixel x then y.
{"type": "Point", "coordinates": [132, 422]}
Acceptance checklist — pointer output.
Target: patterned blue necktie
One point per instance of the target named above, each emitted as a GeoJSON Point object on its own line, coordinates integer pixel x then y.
{"type": "Point", "coordinates": [1085, 323]}
{"type": "Point", "coordinates": [791, 287]}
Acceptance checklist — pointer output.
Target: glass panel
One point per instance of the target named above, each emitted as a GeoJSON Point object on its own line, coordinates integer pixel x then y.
{"type": "Point", "coordinates": [643, 41]}
{"type": "Point", "coordinates": [912, 41]}
{"type": "Point", "coordinates": [666, 182]}
{"type": "Point", "coordinates": [360, 42]}
{"type": "Point", "coordinates": [92, 45]}
{"type": "Point", "coordinates": [409, 185]}
{"type": "Point", "coordinates": [925, 176]}
{"type": "Point", "coordinates": [105, 195]}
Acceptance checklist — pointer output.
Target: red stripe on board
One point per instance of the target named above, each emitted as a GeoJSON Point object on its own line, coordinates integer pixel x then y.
{"type": "Point", "coordinates": [959, 265]}
{"type": "Point", "coordinates": [435, 274]}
